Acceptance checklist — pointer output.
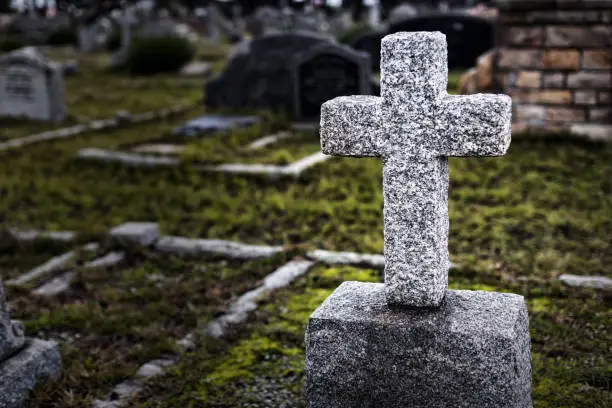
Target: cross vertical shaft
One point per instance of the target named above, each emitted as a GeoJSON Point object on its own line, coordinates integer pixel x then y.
{"type": "Point", "coordinates": [414, 127]}
{"type": "Point", "coordinates": [416, 229]}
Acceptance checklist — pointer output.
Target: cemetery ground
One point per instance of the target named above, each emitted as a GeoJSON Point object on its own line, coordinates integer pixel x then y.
{"type": "Point", "coordinates": [516, 224]}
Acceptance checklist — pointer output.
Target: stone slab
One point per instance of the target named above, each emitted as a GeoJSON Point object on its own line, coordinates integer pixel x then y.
{"type": "Point", "coordinates": [193, 247]}
{"type": "Point", "coordinates": [141, 234]}
{"type": "Point", "coordinates": [597, 282]}
{"type": "Point", "coordinates": [38, 361]}
{"type": "Point", "coordinates": [472, 351]}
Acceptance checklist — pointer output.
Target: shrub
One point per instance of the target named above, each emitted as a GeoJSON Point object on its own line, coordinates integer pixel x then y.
{"type": "Point", "coordinates": [113, 42]}
{"type": "Point", "coordinates": [355, 31]}
{"type": "Point", "coordinates": [158, 54]}
{"type": "Point", "coordinates": [62, 36]}
{"type": "Point", "coordinates": [11, 43]}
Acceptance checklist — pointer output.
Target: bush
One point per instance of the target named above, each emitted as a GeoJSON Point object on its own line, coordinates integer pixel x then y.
{"type": "Point", "coordinates": [62, 36]}
{"type": "Point", "coordinates": [158, 54]}
{"type": "Point", "coordinates": [355, 31]}
{"type": "Point", "coordinates": [10, 43]}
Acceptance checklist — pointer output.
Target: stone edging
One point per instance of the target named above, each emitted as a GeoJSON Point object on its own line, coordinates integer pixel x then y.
{"type": "Point", "coordinates": [238, 311]}
{"type": "Point", "coordinates": [95, 125]}
{"type": "Point", "coordinates": [143, 161]}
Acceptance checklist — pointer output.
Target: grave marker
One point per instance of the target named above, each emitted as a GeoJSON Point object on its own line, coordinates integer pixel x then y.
{"type": "Point", "coordinates": [324, 72]}
{"type": "Point", "coordinates": [23, 361]}
{"type": "Point", "coordinates": [30, 86]}
{"type": "Point", "coordinates": [411, 341]}
{"type": "Point", "coordinates": [415, 126]}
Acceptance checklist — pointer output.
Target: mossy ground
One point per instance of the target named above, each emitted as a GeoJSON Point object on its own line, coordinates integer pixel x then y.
{"type": "Point", "coordinates": [516, 222]}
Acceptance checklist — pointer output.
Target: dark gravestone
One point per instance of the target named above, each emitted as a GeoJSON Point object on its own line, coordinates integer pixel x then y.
{"type": "Point", "coordinates": [370, 43]}
{"type": "Point", "coordinates": [262, 73]}
{"type": "Point", "coordinates": [325, 72]}
{"type": "Point", "coordinates": [467, 36]}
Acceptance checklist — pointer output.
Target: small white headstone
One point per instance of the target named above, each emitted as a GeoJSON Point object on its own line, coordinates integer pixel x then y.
{"type": "Point", "coordinates": [31, 87]}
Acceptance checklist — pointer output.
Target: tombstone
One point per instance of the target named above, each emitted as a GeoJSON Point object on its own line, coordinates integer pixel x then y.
{"type": "Point", "coordinates": [120, 56]}
{"type": "Point", "coordinates": [30, 86]}
{"type": "Point", "coordinates": [468, 36]}
{"type": "Point", "coordinates": [369, 42]}
{"type": "Point", "coordinates": [412, 342]}
{"type": "Point", "coordinates": [401, 12]}
{"type": "Point", "coordinates": [265, 20]}
{"type": "Point", "coordinates": [310, 19]}
{"type": "Point", "coordinates": [263, 73]}
{"type": "Point", "coordinates": [324, 72]}
{"type": "Point", "coordinates": [23, 361]}
{"type": "Point", "coordinates": [86, 35]}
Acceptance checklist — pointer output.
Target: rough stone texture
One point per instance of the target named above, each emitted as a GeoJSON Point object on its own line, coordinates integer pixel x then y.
{"type": "Point", "coordinates": [136, 233]}
{"type": "Point", "coordinates": [56, 285]}
{"type": "Point", "coordinates": [11, 332]}
{"type": "Point", "coordinates": [598, 282]}
{"type": "Point", "coordinates": [54, 264]}
{"type": "Point", "coordinates": [194, 247]}
{"type": "Point", "coordinates": [414, 126]}
{"type": "Point", "coordinates": [37, 361]}
{"type": "Point", "coordinates": [473, 351]}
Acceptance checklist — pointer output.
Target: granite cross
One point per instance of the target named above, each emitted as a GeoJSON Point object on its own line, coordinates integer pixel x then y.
{"type": "Point", "coordinates": [414, 126]}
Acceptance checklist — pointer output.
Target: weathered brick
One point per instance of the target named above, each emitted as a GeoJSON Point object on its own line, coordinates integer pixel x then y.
{"type": "Point", "coordinates": [524, 36]}
{"type": "Point", "coordinates": [565, 115]}
{"type": "Point", "coordinates": [590, 80]}
{"type": "Point", "coordinates": [528, 79]}
{"type": "Point", "coordinates": [605, 97]}
{"type": "Point", "coordinates": [578, 36]}
{"type": "Point", "coordinates": [600, 59]}
{"type": "Point", "coordinates": [561, 59]}
{"type": "Point", "coordinates": [556, 97]}
{"type": "Point", "coordinates": [553, 80]}
{"type": "Point", "coordinates": [530, 113]}
{"type": "Point", "coordinates": [559, 16]}
{"type": "Point", "coordinates": [585, 97]}
{"type": "Point", "coordinates": [519, 59]}
{"type": "Point", "coordinates": [601, 115]}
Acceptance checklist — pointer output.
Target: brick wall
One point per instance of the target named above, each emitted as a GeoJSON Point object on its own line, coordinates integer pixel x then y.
{"type": "Point", "coordinates": [554, 58]}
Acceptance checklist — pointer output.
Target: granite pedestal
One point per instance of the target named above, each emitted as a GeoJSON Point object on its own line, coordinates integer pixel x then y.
{"type": "Point", "coordinates": [471, 351]}
{"type": "Point", "coordinates": [39, 360]}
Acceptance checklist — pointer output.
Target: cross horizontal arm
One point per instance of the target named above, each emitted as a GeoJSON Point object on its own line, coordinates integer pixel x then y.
{"type": "Point", "coordinates": [474, 125]}
{"type": "Point", "coordinates": [351, 126]}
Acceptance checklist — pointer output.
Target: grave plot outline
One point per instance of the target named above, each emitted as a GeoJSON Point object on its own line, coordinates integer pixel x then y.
{"type": "Point", "coordinates": [140, 160]}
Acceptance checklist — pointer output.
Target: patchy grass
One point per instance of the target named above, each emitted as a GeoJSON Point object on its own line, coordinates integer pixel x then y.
{"type": "Point", "coordinates": [265, 366]}
{"type": "Point", "coordinates": [516, 223]}
{"type": "Point", "coordinates": [233, 148]}
{"type": "Point", "coordinates": [113, 321]}
{"type": "Point", "coordinates": [97, 93]}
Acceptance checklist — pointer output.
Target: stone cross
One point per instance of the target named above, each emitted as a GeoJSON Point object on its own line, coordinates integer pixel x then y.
{"type": "Point", "coordinates": [414, 126]}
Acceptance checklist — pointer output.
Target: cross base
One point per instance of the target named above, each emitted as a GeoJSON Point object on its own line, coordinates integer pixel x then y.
{"type": "Point", "coordinates": [39, 360]}
{"type": "Point", "coordinates": [472, 351]}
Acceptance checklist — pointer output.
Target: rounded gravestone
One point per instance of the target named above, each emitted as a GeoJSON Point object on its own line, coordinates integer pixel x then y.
{"type": "Point", "coordinates": [369, 42]}
{"type": "Point", "coordinates": [468, 37]}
